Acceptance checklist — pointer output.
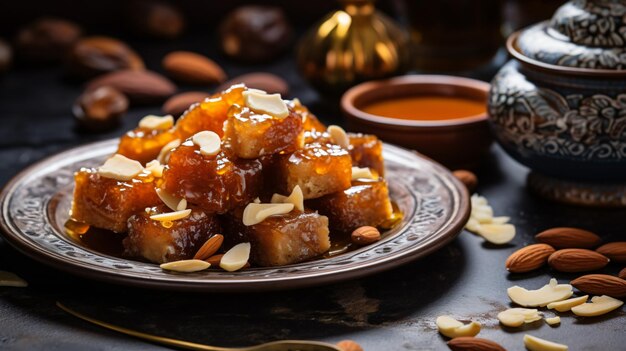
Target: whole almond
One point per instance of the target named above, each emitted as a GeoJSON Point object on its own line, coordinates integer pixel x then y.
{"type": "Point", "coordinates": [601, 284]}
{"type": "Point", "coordinates": [349, 345]}
{"type": "Point", "coordinates": [469, 343]}
{"type": "Point", "coordinates": [365, 235]}
{"type": "Point", "coordinates": [622, 273]}
{"type": "Point", "coordinates": [139, 86]}
{"type": "Point", "coordinates": [468, 178]}
{"type": "Point", "coordinates": [528, 258]}
{"type": "Point", "coordinates": [97, 55]}
{"type": "Point", "coordinates": [566, 238]}
{"type": "Point", "coordinates": [215, 260]}
{"type": "Point", "coordinates": [615, 251]}
{"type": "Point", "coordinates": [209, 248]}
{"type": "Point", "coordinates": [577, 260]}
{"type": "Point", "coordinates": [192, 68]}
{"type": "Point", "coordinates": [179, 103]}
{"type": "Point", "coordinates": [267, 82]}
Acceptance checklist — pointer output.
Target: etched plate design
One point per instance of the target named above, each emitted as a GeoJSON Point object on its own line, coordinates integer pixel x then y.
{"type": "Point", "coordinates": [35, 204]}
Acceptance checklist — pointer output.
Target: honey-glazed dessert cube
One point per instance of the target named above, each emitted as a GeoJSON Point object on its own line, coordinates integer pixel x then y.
{"type": "Point", "coordinates": [143, 144]}
{"type": "Point", "coordinates": [365, 203]}
{"type": "Point", "coordinates": [366, 150]}
{"type": "Point", "coordinates": [163, 241]}
{"type": "Point", "coordinates": [108, 203]}
{"type": "Point", "coordinates": [216, 183]}
{"type": "Point", "coordinates": [280, 240]}
{"type": "Point", "coordinates": [210, 114]}
{"type": "Point", "coordinates": [250, 134]}
{"type": "Point", "coordinates": [319, 169]}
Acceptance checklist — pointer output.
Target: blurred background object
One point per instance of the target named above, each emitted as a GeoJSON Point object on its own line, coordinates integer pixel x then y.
{"type": "Point", "coordinates": [255, 33]}
{"type": "Point", "coordinates": [153, 18]}
{"type": "Point", "coordinates": [46, 39]}
{"type": "Point", "coordinates": [6, 56]}
{"type": "Point", "coordinates": [352, 45]}
{"type": "Point", "coordinates": [454, 35]}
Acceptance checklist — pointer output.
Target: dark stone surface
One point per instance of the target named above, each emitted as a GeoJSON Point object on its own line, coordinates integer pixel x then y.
{"type": "Point", "coordinates": [390, 311]}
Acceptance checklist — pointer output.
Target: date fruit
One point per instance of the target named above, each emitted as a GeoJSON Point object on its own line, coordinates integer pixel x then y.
{"type": "Point", "coordinates": [46, 39]}
{"type": "Point", "coordinates": [97, 55]}
{"type": "Point", "coordinates": [100, 109]}
{"type": "Point", "coordinates": [155, 18]}
{"type": "Point", "coordinates": [255, 33]}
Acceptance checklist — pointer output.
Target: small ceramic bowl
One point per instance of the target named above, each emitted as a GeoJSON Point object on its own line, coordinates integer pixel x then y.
{"type": "Point", "coordinates": [456, 143]}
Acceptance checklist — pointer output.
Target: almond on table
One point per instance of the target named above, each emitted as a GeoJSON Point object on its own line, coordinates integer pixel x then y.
{"type": "Point", "coordinates": [495, 230]}
{"type": "Point", "coordinates": [551, 292]}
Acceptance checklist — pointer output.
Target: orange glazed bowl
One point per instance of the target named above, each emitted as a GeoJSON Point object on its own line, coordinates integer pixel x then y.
{"type": "Point", "coordinates": [442, 117]}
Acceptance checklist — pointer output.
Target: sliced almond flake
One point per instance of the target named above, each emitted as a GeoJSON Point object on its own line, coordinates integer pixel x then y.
{"type": "Point", "coordinates": [362, 173]}
{"type": "Point", "coordinates": [236, 258]}
{"type": "Point", "coordinates": [271, 104]}
{"type": "Point", "coordinates": [257, 213]}
{"type": "Point", "coordinates": [165, 151]}
{"type": "Point", "coordinates": [599, 305]}
{"type": "Point", "coordinates": [169, 200]}
{"type": "Point", "coordinates": [157, 122]}
{"type": "Point", "coordinates": [533, 343]}
{"type": "Point", "coordinates": [171, 216]}
{"type": "Point", "coordinates": [296, 198]}
{"type": "Point", "coordinates": [186, 266]}
{"type": "Point", "coordinates": [551, 292]}
{"type": "Point", "coordinates": [566, 305]}
{"type": "Point", "coordinates": [339, 136]}
{"type": "Point", "coordinates": [155, 167]}
{"type": "Point", "coordinates": [120, 167]}
{"type": "Point", "coordinates": [208, 142]}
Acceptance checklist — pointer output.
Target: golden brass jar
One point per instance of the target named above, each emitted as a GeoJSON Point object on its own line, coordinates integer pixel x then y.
{"type": "Point", "coordinates": [352, 45]}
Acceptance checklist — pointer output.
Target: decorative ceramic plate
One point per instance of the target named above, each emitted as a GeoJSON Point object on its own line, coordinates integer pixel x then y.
{"type": "Point", "coordinates": [35, 206]}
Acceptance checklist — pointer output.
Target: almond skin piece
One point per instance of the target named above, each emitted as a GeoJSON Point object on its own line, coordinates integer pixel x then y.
{"type": "Point", "coordinates": [568, 238]}
{"type": "Point", "coordinates": [209, 248]}
{"type": "Point", "coordinates": [189, 67]}
{"type": "Point", "coordinates": [180, 103]}
{"type": "Point", "coordinates": [469, 343]}
{"type": "Point", "coordinates": [139, 86]}
{"type": "Point", "coordinates": [577, 260]}
{"type": "Point", "coordinates": [601, 284]}
{"type": "Point", "coordinates": [615, 251]}
{"type": "Point", "coordinates": [365, 235]}
{"type": "Point", "coordinates": [622, 273]}
{"type": "Point", "coordinates": [270, 83]}
{"type": "Point", "coordinates": [529, 258]}
{"type": "Point", "coordinates": [349, 345]}
{"type": "Point", "coordinates": [215, 260]}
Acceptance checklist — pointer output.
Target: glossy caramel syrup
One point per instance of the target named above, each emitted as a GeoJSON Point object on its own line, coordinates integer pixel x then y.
{"type": "Point", "coordinates": [427, 108]}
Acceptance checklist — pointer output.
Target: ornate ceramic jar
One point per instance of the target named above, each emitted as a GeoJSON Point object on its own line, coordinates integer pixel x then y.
{"type": "Point", "coordinates": [559, 107]}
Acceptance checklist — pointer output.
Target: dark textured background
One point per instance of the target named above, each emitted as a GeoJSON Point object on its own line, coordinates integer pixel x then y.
{"type": "Point", "coordinates": [390, 311]}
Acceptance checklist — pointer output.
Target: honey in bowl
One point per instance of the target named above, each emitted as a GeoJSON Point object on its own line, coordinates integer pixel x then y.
{"type": "Point", "coordinates": [426, 107]}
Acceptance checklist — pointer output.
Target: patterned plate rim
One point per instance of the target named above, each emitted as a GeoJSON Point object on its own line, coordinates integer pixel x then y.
{"type": "Point", "coordinates": [459, 213]}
